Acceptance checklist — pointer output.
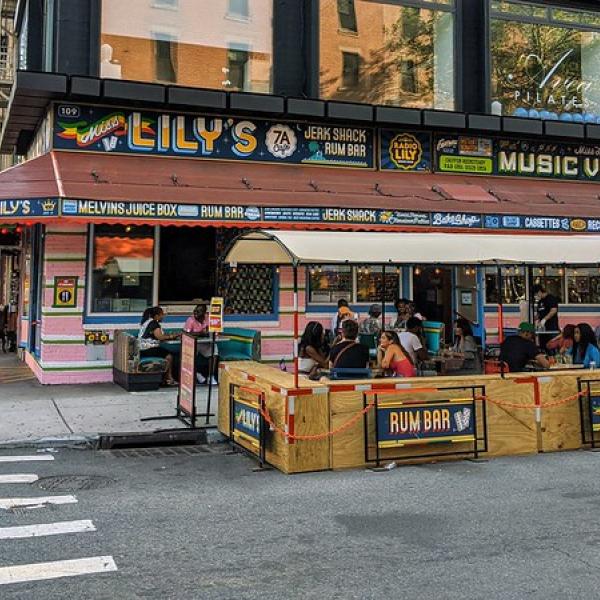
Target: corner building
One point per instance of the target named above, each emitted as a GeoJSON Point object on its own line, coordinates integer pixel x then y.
{"type": "Point", "coordinates": [139, 138]}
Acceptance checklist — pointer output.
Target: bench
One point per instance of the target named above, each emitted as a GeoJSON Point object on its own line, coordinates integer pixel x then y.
{"type": "Point", "coordinates": [128, 367]}
{"type": "Point", "coordinates": [241, 344]}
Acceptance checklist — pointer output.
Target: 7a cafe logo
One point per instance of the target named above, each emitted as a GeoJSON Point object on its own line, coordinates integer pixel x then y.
{"type": "Point", "coordinates": [406, 151]}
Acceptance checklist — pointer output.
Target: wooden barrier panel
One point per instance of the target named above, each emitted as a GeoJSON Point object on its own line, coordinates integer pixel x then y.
{"type": "Point", "coordinates": [317, 408]}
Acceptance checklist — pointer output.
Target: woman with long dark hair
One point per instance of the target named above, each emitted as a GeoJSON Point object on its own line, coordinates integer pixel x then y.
{"type": "Point", "coordinates": [311, 349]}
{"type": "Point", "coordinates": [563, 342]}
{"type": "Point", "coordinates": [465, 347]}
{"type": "Point", "coordinates": [151, 335]}
{"type": "Point", "coordinates": [585, 347]}
{"type": "Point", "coordinates": [392, 357]}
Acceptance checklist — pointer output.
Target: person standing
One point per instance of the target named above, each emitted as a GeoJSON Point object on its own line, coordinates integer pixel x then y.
{"type": "Point", "coordinates": [372, 324]}
{"type": "Point", "coordinates": [547, 314]}
{"type": "Point", "coordinates": [343, 311]}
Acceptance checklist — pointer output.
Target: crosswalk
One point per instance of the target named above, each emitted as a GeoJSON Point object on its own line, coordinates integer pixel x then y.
{"type": "Point", "coordinates": [41, 571]}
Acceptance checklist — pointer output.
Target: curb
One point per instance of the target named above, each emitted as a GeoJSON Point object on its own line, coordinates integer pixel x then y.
{"type": "Point", "coordinates": [92, 441]}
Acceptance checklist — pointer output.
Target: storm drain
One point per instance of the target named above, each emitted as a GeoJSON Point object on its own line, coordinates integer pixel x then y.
{"type": "Point", "coordinates": [69, 483]}
{"type": "Point", "coordinates": [157, 452]}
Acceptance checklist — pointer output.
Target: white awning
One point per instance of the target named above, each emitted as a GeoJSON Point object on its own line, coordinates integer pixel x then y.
{"type": "Point", "coordinates": [358, 247]}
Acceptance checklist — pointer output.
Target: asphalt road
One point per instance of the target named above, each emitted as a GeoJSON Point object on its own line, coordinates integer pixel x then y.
{"type": "Point", "coordinates": [207, 526]}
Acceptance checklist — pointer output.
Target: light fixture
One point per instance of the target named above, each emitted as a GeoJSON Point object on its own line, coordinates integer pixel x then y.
{"type": "Point", "coordinates": [128, 229]}
{"type": "Point", "coordinates": [437, 271]}
{"type": "Point", "coordinates": [561, 271]}
{"type": "Point", "coordinates": [417, 270]}
{"type": "Point", "coordinates": [398, 270]}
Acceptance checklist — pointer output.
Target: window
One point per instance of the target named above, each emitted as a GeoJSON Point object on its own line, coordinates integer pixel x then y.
{"type": "Point", "coordinates": [122, 265]}
{"type": "Point", "coordinates": [237, 64]}
{"type": "Point", "coordinates": [406, 52]}
{"type": "Point", "coordinates": [583, 286]}
{"type": "Point", "coordinates": [239, 9]}
{"type": "Point", "coordinates": [330, 283]}
{"type": "Point", "coordinates": [163, 52]}
{"type": "Point", "coordinates": [197, 52]}
{"type": "Point", "coordinates": [544, 62]}
{"type": "Point", "coordinates": [513, 285]}
{"type": "Point", "coordinates": [552, 279]}
{"type": "Point", "coordinates": [187, 265]}
{"type": "Point", "coordinates": [347, 15]}
{"type": "Point", "coordinates": [350, 70]}
{"type": "Point", "coordinates": [249, 290]}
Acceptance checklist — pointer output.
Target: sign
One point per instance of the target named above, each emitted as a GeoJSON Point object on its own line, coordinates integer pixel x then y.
{"type": "Point", "coordinates": [517, 158]}
{"type": "Point", "coordinates": [186, 400]}
{"type": "Point", "coordinates": [405, 151]}
{"type": "Point", "coordinates": [246, 422]}
{"type": "Point", "coordinates": [33, 207]}
{"type": "Point", "coordinates": [65, 292]}
{"type": "Point", "coordinates": [126, 131]}
{"type": "Point", "coordinates": [595, 412]}
{"type": "Point", "coordinates": [215, 315]}
{"type": "Point", "coordinates": [400, 424]}
{"type": "Point", "coordinates": [97, 338]}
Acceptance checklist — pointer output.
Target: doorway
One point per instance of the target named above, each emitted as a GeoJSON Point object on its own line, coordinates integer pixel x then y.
{"type": "Point", "coordinates": [432, 294]}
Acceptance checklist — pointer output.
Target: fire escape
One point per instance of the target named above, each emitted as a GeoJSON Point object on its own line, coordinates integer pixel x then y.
{"type": "Point", "coordinates": [7, 50]}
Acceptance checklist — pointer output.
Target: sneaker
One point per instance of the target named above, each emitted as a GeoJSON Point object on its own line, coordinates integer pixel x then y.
{"type": "Point", "coordinates": [213, 381]}
{"type": "Point", "coordinates": [200, 378]}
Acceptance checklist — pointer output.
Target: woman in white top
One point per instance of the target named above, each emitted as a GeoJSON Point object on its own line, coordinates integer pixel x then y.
{"type": "Point", "coordinates": [311, 349]}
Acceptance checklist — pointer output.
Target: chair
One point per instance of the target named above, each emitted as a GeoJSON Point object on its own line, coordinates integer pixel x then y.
{"type": "Point", "coordinates": [370, 341]}
{"type": "Point", "coordinates": [434, 334]}
{"type": "Point", "coordinates": [340, 373]}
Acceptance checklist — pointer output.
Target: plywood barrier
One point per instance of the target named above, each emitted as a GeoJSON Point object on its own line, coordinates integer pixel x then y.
{"type": "Point", "coordinates": [317, 408]}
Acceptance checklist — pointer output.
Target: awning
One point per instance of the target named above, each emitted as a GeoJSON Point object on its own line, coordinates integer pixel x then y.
{"type": "Point", "coordinates": [340, 247]}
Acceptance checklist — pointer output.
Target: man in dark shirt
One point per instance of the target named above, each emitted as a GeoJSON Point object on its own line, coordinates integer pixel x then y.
{"type": "Point", "coordinates": [547, 314]}
{"type": "Point", "coordinates": [349, 354]}
{"type": "Point", "coordinates": [517, 350]}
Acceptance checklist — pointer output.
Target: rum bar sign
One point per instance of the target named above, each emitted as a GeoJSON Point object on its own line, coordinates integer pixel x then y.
{"type": "Point", "coordinates": [400, 424]}
{"type": "Point", "coordinates": [124, 131]}
{"type": "Point", "coordinates": [517, 158]}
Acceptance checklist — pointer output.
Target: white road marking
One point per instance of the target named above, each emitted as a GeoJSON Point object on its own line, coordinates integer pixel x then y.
{"type": "Point", "coordinates": [27, 531]}
{"type": "Point", "coordinates": [34, 458]}
{"type": "Point", "coordinates": [55, 570]}
{"type": "Point", "coordinates": [8, 503]}
{"type": "Point", "coordinates": [19, 478]}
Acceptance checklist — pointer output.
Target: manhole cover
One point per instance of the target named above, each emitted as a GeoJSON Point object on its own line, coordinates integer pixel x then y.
{"type": "Point", "coordinates": [67, 483]}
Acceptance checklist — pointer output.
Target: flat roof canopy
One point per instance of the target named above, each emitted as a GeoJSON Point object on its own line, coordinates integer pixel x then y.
{"type": "Point", "coordinates": [342, 247]}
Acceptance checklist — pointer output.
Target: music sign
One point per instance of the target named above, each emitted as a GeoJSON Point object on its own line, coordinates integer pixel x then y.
{"type": "Point", "coordinates": [400, 424]}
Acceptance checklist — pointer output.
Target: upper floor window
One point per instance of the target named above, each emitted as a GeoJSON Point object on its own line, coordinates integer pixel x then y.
{"type": "Point", "coordinates": [221, 44]}
{"type": "Point", "coordinates": [401, 52]}
{"type": "Point", "coordinates": [545, 61]}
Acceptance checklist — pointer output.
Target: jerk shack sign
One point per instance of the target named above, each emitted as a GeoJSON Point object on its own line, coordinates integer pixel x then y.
{"type": "Point", "coordinates": [125, 131]}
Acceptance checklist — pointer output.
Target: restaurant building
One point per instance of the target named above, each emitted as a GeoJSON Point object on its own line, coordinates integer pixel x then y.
{"type": "Point", "coordinates": [144, 136]}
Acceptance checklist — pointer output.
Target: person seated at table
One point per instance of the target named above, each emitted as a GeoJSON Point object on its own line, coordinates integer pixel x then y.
{"type": "Point", "coordinates": [197, 325]}
{"type": "Point", "coordinates": [414, 311]}
{"type": "Point", "coordinates": [311, 349]}
{"type": "Point", "coordinates": [343, 310]}
{"type": "Point", "coordinates": [372, 324]}
{"type": "Point", "coordinates": [465, 347]}
{"type": "Point", "coordinates": [393, 358]}
{"type": "Point", "coordinates": [411, 341]}
{"type": "Point", "coordinates": [403, 315]}
{"type": "Point", "coordinates": [348, 353]}
{"type": "Point", "coordinates": [151, 335]}
{"type": "Point", "coordinates": [563, 342]}
{"type": "Point", "coordinates": [585, 347]}
{"type": "Point", "coordinates": [517, 350]}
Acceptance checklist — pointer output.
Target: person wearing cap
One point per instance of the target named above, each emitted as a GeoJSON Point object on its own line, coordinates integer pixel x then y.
{"type": "Point", "coordinates": [517, 350]}
{"type": "Point", "coordinates": [372, 324]}
{"type": "Point", "coordinates": [343, 311]}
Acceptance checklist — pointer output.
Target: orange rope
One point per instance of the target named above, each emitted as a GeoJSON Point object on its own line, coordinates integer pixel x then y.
{"type": "Point", "coordinates": [317, 436]}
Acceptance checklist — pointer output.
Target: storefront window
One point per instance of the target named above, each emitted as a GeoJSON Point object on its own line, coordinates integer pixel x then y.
{"type": "Point", "coordinates": [222, 44]}
{"type": "Point", "coordinates": [552, 279]}
{"type": "Point", "coordinates": [388, 53]}
{"type": "Point", "coordinates": [122, 268]}
{"type": "Point", "coordinates": [330, 284]}
{"type": "Point", "coordinates": [583, 285]}
{"type": "Point", "coordinates": [513, 285]}
{"type": "Point", "coordinates": [370, 287]}
{"type": "Point", "coordinates": [544, 62]}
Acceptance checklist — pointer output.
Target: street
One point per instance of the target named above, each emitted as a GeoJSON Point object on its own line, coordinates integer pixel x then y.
{"type": "Point", "coordinates": [199, 523]}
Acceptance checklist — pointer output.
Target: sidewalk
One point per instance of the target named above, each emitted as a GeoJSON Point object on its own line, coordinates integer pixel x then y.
{"type": "Point", "coordinates": [32, 413]}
